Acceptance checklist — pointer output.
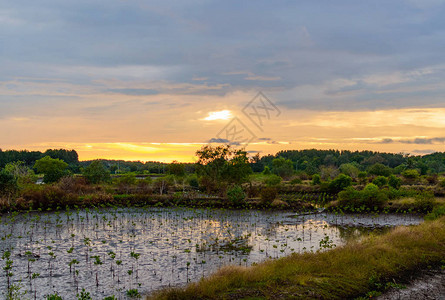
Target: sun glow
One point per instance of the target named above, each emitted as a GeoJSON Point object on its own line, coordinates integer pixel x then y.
{"type": "Point", "coordinates": [218, 115]}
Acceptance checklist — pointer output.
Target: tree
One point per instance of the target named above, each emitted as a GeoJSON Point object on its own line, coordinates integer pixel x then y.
{"type": "Point", "coordinates": [21, 172]}
{"type": "Point", "coordinates": [379, 170]}
{"type": "Point", "coordinates": [350, 169]}
{"type": "Point", "coordinates": [222, 165]}
{"type": "Point", "coordinates": [8, 183]}
{"type": "Point", "coordinates": [52, 169]}
{"type": "Point", "coordinates": [96, 173]}
{"type": "Point", "coordinates": [176, 168]}
{"type": "Point", "coordinates": [380, 181]}
{"type": "Point", "coordinates": [282, 167]}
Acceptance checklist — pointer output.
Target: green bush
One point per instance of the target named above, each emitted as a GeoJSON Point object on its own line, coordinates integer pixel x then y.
{"type": "Point", "coordinates": [296, 181]}
{"type": "Point", "coordinates": [394, 181]}
{"type": "Point", "coordinates": [371, 197]}
{"type": "Point", "coordinates": [316, 179]}
{"type": "Point", "coordinates": [268, 194]}
{"type": "Point", "coordinates": [126, 179]}
{"type": "Point", "coordinates": [411, 175]}
{"type": "Point", "coordinates": [272, 180]}
{"type": "Point", "coordinates": [380, 181]}
{"type": "Point", "coordinates": [424, 202]}
{"type": "Point", "coordinates": [266, 171]}
{"type": "Point", "coordinates": [236, 195]}
{"type": "Point", "coordinates": [192, 180]}
{"type": "Point", "coordinates": [442, 183]}
{"type": "Point", "coordinates": [436, 213]}
{"type": "Point", "coordinates": [340, 183]}
{"type": "Point", "coordinates": [349, 198]}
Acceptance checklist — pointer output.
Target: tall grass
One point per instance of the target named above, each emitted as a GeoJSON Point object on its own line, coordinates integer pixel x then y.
{"type": "Point", "coordinates": [345, 272]}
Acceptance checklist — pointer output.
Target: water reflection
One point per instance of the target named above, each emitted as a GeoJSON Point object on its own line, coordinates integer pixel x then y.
{"type": "Point", "coordinates": [108, 251]}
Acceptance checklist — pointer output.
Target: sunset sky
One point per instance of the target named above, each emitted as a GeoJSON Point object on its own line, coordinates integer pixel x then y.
{"type": "Point", "coordinates": [145, 80]}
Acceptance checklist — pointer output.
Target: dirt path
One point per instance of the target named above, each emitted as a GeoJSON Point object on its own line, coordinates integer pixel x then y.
{"type": "Point", "coordinates": [429, 286]}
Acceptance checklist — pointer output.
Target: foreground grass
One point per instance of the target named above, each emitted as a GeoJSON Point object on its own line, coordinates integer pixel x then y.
{"type": "Point", "coordinates": [350, 271]}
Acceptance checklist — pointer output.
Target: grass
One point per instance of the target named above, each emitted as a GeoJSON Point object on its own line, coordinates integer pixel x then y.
{"type": "Point", "coordinates": [354, 270]}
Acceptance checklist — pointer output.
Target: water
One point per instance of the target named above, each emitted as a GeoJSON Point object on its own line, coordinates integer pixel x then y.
{"type": "Point", "coordinates": [158, 247]}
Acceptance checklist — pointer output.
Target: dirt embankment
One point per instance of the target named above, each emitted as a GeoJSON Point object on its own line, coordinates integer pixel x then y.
{"type": "Point", "coordinates": [428, 286]}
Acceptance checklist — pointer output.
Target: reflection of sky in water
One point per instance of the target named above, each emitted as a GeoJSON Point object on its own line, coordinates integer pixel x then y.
{"type": "Point", "coordinates": [167, 240]}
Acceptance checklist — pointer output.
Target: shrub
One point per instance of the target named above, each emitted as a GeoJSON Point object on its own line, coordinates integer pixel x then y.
{"type": "Point", "coordinates": [340, 183]}
{"type": "Point", "coordinates": [394, 181]}
{"type": "Point", "coordinates": [380, 181]}
{"type": "Point", "coordinates": [252, 190]}
{"type": "Point", "coordinates": [21, 172]}
{"type": "Point", "coordinates": [316, 179]}
{"type": "Point", "coordinates": [442, 183]}
{"type": "Point", "coordinates": [126, 179]}
{"type": "Point", "coordinates": [432, 179]}
{"type": "Point", "coordinates": [162, 184]}
{"type": "Point", "coordinates": [436, 213]}
{"type": "Point", "coordinates": [296, 181]}
{"type": "Point", "coordinates": [349, 198]}
{"type": "Point", "coordinates": [268, 194]}
{"type": "Point", "coordinates": [410, 175]}
{"type": "Point", "coordinates": [272, 180]}
{"type": "Point", "coordinates": [193, 181]}
{"type": "Point", "coordinates": [363, 177]}
{"type": "Point", "coordinates": [424, 202]}
{"type": "Point", "coordinates": [266, 171]}
{"type": "Point", "coordinates": [236, 195]}
{"type": "Point", "coordinates": [372, 197]}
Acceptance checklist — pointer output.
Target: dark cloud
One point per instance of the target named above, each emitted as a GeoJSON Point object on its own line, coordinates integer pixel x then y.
{"type": "Point", "coordinates": [417, 141]}
{"type": "Point", "coordinates": [424, 141]}
{"type": "Point", "coordinates": [387, 141]}
{"type": "Point", "coordinates": [220, 141]}
{"type": "Point", "coordinates": [347, 52]}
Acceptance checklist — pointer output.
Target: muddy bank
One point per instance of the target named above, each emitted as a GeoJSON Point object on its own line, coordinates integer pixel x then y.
{"type": "Point", "coordinates": [429, 286]}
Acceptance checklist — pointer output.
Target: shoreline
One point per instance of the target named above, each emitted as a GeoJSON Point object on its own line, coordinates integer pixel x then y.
{"type": "Point", "coordinates": [359, 269]}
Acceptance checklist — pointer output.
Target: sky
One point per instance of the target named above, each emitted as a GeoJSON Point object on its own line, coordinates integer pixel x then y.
{"type": "Point", "coordinates": [157, 80]}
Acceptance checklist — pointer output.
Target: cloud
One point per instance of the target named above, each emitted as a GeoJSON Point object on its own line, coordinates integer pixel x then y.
{"type": "Point", "coordinates": [133, 92]}
{"type": "Point", "coordinates": [423, 151]}
{"type": "Point", "coordinates": [152, 70]}
{"type": "Point", "coordinates": [417, 141]}
{"type": "Point", "coordinates": [425, 141]}
{"type": "Point", "coordinates": [219, 141]}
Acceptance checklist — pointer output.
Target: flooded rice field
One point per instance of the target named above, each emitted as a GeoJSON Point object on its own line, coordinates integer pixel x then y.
{"type": "Point", "coordinates": [113, 251]}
